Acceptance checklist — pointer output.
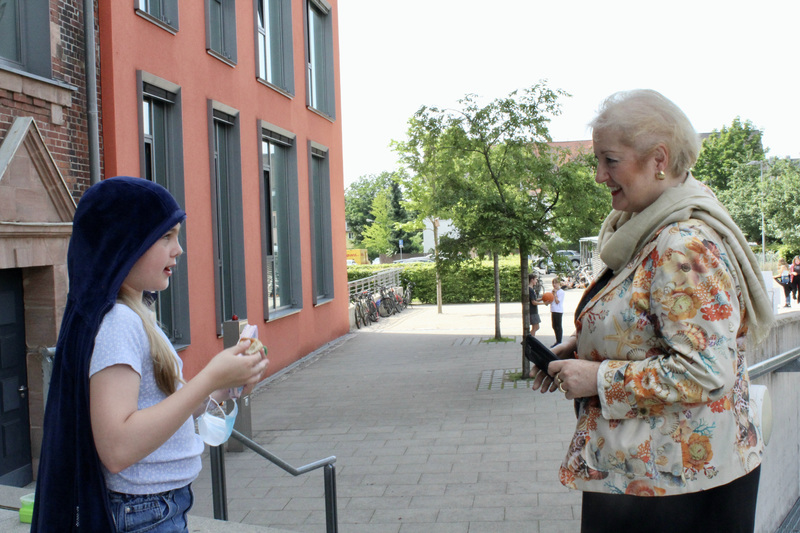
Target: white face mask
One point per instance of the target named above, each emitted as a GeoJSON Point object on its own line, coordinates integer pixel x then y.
{"type": "Point", "coordinates": [214, 426]}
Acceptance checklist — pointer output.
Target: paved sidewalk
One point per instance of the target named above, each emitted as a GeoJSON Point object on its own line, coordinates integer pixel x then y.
{"type": "Point", "coordinates": [427, 435]}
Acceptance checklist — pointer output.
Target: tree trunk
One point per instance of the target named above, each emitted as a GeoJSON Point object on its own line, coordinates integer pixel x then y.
{"type": "Point", "coordinates": [436, 258]}
{"type": "Point", "coordinates": [526, 319]}
{"type": "Point", "coordinates": [496, 260]}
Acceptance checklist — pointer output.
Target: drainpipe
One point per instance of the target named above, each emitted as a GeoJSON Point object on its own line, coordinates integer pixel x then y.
{"type": "Point", "coordinates": [91, 91]}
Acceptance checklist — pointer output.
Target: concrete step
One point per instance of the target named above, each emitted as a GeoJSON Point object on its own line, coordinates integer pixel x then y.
{"type": "Point", "coordinates": [9, 517]}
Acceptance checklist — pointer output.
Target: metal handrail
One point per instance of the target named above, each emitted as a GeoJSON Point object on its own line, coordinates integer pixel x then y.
{"type": "Point", "coordinates": [218, 485]}
{"type": "Point", "coordinates": [773, 363]}
{"type": "Point", "coordinates": [389, 277]}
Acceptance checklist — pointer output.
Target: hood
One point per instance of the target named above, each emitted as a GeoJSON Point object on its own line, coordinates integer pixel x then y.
{"type": "Point", "coordinates": [116, 222]}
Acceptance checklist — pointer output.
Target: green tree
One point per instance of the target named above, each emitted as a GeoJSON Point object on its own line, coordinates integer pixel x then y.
{"type": "Point", "coordinates": [724, 151]}
{"type": "Point", "coordinates": [427, 161]}
{"type": "Point", "coordinates": [377, 237]}
{"type": "Point", "coordinates": [584, 203]}
{"type": "Point", "coordinates": [771, 187]}
{"type": "Point", "coordinates": [359, 198]}
{"type": "Point", "coordinates": [497, 178]}
{"type": "Point", "coordinates": [782, 201]}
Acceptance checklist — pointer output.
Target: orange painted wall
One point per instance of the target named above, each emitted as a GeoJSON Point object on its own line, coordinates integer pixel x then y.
{"type": "Point", "coordinates": [129, 43]}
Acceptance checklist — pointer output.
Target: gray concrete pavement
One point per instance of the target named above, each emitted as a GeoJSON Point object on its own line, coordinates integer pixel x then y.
{"type": "Point", "coordinates": [428, 436]}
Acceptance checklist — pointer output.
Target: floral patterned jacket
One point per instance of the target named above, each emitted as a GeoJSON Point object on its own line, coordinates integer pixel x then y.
{"type": "Point", "coordinates": [673, 413]}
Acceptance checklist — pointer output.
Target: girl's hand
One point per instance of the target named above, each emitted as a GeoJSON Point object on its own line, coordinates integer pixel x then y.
{"type": "Point", "coordinates": [232, 368]}
{"type": "Point", "coordinates": [577, 377]}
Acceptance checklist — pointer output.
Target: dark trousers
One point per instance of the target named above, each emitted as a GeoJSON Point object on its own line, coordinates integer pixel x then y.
{"type": "Point", "coordinates": [730, 508]}
{"type": "Point", "coordinates": [796, 288]}
{"type": "Point", "coordinates": [555, 319]}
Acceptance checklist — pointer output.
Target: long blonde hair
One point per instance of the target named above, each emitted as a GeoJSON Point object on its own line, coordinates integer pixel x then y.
{"type": "Point", "coordinates": [165, 365]}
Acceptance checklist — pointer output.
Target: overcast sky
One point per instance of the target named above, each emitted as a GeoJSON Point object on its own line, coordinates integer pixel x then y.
{"type": "Point", "coordinates": [715, 59]}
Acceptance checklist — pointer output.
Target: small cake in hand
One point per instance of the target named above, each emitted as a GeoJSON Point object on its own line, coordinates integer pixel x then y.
{"type": "Point", "coordinates": [255, 347]}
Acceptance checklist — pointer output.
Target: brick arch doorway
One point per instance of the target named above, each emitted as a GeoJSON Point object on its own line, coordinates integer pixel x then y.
{"type": "Point", "coordinates": [36, 210]}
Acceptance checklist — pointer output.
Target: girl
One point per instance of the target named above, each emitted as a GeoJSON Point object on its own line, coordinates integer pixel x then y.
{"type": "Point", "coordinates": [784, 280]}
{"type": "Point", "coordinates": [534, 297]}
{"type": "Point", "coordinates": [557, 309]}
{"type": "Point", "coordinates": [119, 449]}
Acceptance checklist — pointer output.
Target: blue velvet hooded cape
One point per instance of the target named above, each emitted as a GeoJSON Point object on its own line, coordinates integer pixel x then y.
{"type": "Point", "coordinates": [116, 222]}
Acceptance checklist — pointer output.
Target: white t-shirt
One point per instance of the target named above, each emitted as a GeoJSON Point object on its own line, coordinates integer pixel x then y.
{"type": "Point", "coordinates": [123, 340]}
{"type": "Point", "coordinates": [558, 307]}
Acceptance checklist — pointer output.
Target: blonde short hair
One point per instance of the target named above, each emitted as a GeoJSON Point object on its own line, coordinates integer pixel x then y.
{"type": "Point", "coordinates": [642, 119]}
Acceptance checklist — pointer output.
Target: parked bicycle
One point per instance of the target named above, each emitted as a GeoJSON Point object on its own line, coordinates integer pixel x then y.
{"type": "Point", "coordinates": [372, 308]}
{"type": "Point", "coordinates": [385, 303]}
{"type": "Point", "coordinates": [408, 293]}
{"type": "Point", "coordinates": [359, 309]}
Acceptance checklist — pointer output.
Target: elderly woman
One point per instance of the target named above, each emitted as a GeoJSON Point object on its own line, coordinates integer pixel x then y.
{"type": "Point", "coordinates": [657, 364]}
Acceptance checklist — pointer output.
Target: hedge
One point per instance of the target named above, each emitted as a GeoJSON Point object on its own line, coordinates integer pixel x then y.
{"type": "Point", "coordinates": [468, 282]}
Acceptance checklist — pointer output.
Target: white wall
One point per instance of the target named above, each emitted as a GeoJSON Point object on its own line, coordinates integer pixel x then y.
{"type": "Point", "coordinates": [445, 227]}
{"type": "Point", "coordinates": [779, 487]}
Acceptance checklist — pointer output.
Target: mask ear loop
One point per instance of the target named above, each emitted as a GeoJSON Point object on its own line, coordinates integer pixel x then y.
{"type": "Point", "coordinates": [218, 405]}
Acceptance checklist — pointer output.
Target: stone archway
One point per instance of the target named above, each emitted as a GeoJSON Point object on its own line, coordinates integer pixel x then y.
{"type": "Point", "coordinates": [36, 211]}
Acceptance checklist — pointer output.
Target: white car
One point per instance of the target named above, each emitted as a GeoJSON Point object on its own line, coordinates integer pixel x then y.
{"type": "Point", "coordinates": [572, 256]}
{"type": "Point", "coordinates": [423, 259]}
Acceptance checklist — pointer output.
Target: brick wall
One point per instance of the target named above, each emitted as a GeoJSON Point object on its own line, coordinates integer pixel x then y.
{"type": "Point", "coordinates": [59, 108]}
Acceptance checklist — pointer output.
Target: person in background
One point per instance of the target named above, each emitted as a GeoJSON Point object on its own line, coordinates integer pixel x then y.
{"type": "Point", "coordinates": [535, 301]}
{"type": "Point", "coordinates": [557, 310]}
{"type": "Point", "coordinates": [665, 438]}
{"type": "Point", "coordinates": [784, 279]}
{"type": "Point", "coordinates": [794, 274]}
{"type": "Point", "coordinates": [119, 449]}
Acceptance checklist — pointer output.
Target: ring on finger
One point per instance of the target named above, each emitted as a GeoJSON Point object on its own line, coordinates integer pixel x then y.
{"type": "Point", "coordinates": [561, 388]}
{"type": "Point", "coordinates": [558, 378]}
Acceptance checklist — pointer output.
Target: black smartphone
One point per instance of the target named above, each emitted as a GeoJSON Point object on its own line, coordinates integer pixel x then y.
{"type": "Point", "coordinates": [537, 353]}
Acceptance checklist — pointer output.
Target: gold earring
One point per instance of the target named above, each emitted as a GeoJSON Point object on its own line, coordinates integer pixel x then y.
{"type": "Point", "coordinates": [660, 175]}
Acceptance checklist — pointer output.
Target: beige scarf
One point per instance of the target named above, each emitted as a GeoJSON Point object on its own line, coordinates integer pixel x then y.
{"type": "Point", "coordinates": [619, 242]}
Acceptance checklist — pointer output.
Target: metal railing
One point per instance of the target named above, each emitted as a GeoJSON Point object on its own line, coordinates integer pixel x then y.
{"type": "Point", "coordinates": [389, 277]}
{"type": "Point", "coordinates": [219, 490]}
{"type": "Point", "coordinates": [773, 363]}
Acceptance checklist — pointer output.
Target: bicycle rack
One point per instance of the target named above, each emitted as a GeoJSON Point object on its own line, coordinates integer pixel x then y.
{"type": "Point", "coordinates": [219, 489]}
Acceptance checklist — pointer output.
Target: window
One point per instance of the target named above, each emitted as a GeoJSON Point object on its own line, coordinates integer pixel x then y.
{"type": "Point", "coordinates": [21, 45]}
{"type": "Point", "coordinates": [320, 204]}
{"type": "Point", "coordinates": [161, 162]}
{"type": "Point", "coordinates": [227, 217]}
{"type": "Point", "coordinates": [319, 47]}
{"type": "Point", "coordinates": [10, 31]}
{"type": "Point", "coordinates": [280, 228]}
{"type": "Point", "coordinates": [164, 13]}
{"type": "Point", "coordinates": [274, 43]}
{"type": "Point", "coordinates": [221, 29]}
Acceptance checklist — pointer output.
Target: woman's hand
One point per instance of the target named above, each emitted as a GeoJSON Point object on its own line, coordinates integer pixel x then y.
{"type": "Point", "coordinates": [541, 380]}
{"type": "Point", "coordinates": [576, 378]}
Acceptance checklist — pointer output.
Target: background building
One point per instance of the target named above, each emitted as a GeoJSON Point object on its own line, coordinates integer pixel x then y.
{"type": "Point", "coordinates": [234, 107]}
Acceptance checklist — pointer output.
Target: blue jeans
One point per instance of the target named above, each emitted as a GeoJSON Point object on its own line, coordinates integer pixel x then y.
{"type": "Point", "coordinates": [151, 513]}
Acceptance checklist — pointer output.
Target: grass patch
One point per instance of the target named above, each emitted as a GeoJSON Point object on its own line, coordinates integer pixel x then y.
{"type": "Point", "coordinates": [516, 376]}
{"type": "Point", "coordinates": [501, 339]}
